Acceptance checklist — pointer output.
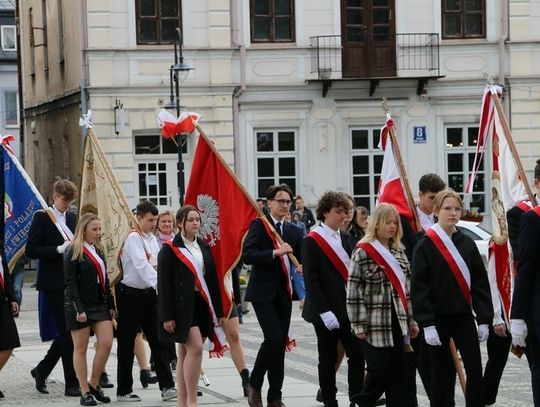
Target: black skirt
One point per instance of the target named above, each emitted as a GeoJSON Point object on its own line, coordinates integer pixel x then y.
{"type": "Point", "coordinates": [94, 313]}
{"type": "Point", "coordinates": [9, 337]}
{"type": "Point", "coordinates": [201, 315]}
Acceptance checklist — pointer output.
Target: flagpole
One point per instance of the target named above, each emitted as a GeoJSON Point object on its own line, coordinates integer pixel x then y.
{"type": "Point", "coordinates": [511, 144]}
{"type": "Point", "coordinates": [244, 191]}
{"type": "Point", "coordinates": [402, 171]}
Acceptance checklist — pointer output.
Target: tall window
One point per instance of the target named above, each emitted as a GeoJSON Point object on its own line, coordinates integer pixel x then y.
{"type": "Point", "coordinates": [11, 110]}
{"type": "Point", "coordinates": [8, 38]}
{"type": "Point", "coordinates": [464, 18]}
{"type": "Point", "coordinates": [156, 168]}
{"type": "Point", "coordinates": [366, 165]}
{"type": "Point", "coordinates": [157, 20]}
{"type": "Point", "coordinates": [272, 20]}
{"type": "Point", "coordinates": [460, 151]}
{"type": "Point", "coordinates": [276, 159]}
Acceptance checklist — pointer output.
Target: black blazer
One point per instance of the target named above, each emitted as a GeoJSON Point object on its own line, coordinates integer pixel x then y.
{"type": "Point", "coordinates": [513, 217]}
{"type": "Point", "coordinates": [7, 296]}
{"type": "Point", "coordinates": [176, 290]}
{"type": "Point", "coordinates": [267, 280]}
{"type": "Point", "coordinates": [82, 286]}
{"type": "Point", "coordinates": [325, 289]}
{"type": "Point", "coordinates": [526, 297]}
{"type": "Point", "coordinates": [43, 238]}
{"type": "Point", "coordinates": [434, 289]}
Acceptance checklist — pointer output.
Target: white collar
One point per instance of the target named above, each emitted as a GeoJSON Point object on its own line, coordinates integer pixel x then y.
{"type": "Point", "coordinates": [58, 212]}
{"type": "Point", "coordinates": [276, 221]}
{"type": "Point", "coordinates": [332, 232]}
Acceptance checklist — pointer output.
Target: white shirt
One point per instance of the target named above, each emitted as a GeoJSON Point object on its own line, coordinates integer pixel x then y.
{"type": "Point", "coordinates": [61, 216]}
{"type": "Point", "coordinates": [334, 233]}
{"type": "Point", "coordinates": [138, 270]}
{"type": "Point", "coordinates": [426, 221]}
{"type": "Point", "coordinates": [196, 252]}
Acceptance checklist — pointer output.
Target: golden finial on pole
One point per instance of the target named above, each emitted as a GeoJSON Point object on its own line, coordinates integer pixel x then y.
{"type": "Point", "coordinates": [385, 105]}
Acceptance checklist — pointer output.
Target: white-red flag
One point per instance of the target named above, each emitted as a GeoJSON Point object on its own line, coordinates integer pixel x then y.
{"type": "Point", "coordinates": [226, 212]}
{"type": "Point", "coordinates": [391, 189]}
{"type": "Point", "coordinates": [171, 126]}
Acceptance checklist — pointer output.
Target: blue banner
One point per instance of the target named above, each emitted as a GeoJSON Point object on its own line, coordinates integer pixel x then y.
{"type": "Point", "coordinates": [20, 200]}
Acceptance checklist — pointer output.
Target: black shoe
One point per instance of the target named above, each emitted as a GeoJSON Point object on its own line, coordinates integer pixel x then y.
{"type": "Point", "coordinates": [73, 392]}
{"type": "Point", "coordinates": [88, 400]}
{"type": "Point", "coordinates": [104, 381]}
{"type": "Point", "coordinates": [41, 386]}
{"type": "Point", "coordinates": [147, 378]}
{"type": "Point", "coordinates": [318, 397]}
{"type": "Point", "coordinates": [99, 394]}
{"type": "Point", "coordinates": [1, 395]}
{"type": "Point", "coordinates": [199, 393]}
{"type": "Point", "coordinates": [381, 402]}
{"type": "Point", "coordinates": [244, 374]}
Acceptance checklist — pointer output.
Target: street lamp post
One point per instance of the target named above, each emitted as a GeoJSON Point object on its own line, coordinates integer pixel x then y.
{"type": "Point", "coordinates": [177, 73]}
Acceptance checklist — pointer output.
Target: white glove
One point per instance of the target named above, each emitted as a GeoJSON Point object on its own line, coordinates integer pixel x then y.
{"type": "Point", "coordinates": [330, 321]}
{"type": "Point", "coordinates": [518, 329]}
{"type": "Point", "coordinates": [153, 261]}
{"type": "Point", "coordinates": [62, 249]}
{"type": "Point", "coordinates": [483, 332]}
{"type": "Point", "coordinates": [432, 336]}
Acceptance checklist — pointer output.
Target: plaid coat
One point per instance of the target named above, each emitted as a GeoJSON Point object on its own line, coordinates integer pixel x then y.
{"type": "Point", "coordinates": [370, 298]}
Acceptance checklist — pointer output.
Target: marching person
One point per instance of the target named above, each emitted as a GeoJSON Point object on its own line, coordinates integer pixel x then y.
{"type": "Point", "coordinates": [88, 304]}
{"type": "Point", "coordinates": [525, 313]}
{"type": "Point", "coordinates": [449, 282]}
{"type": "Point", "coordinates": [379, 308]}
{"type": "Point", "coordinates": [9, 308]}
{"type": "Point", "coordinates": [189, 301]}
{"type": "Point", "coordinates": [136, 301]}
{"type": "Point", "coordinates": [326, 253]}
{"type": "Point", "coordinates": [269, 290]}
{"type": "Point", "coordinates": [46, 243]}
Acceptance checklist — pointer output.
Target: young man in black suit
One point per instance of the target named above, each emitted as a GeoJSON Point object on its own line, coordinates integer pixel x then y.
{"type": "Point", "coordinates": [269, 290]}
{"type": "Point", "coordinates": [46, 243]}
{"type": "Point", "coordinates": [327, 254]}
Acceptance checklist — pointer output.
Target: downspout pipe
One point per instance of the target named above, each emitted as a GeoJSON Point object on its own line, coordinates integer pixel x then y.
{"type": "Point", "coordinates": [237, 42]}
{"type": "Point", "coordinates": [502, 50]}
{"type": "Point", "coordinates": [83, 73]}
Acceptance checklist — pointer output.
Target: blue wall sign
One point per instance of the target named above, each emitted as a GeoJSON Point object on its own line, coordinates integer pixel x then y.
{"type": "Point", "coordinates": [419, 134]}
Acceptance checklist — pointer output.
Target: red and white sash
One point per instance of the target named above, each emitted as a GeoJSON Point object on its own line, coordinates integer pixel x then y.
{"type": "Point", "coordinates": [286, 268]}
{"type": "Point", "coordinates": [393, 271]}
{"type": "Point", "coordinates": [218, 336]}
{"type": "Point", "coordinates": [536, 210]}
{"type": "Point", "coordinates": [525, 206]}
{"type": "Point", "coordinates": [333, 250]}
{"type": "Point", "coordinates": [98, 263]}
{"type": "Point", "coordinates": [453, 258]}
{"type": "Point", "coordinates": [66, 233]}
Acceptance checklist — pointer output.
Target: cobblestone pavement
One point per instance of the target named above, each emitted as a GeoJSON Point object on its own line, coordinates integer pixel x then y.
{"type": "Point", "coordinates": [300, 382]}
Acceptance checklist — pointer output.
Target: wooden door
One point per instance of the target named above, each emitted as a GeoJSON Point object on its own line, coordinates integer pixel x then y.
{"type": "Point", "coordinates": [368, 38]}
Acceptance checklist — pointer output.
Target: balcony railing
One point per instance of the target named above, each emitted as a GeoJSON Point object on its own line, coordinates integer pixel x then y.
{"type": "Point", "coordinates": [416, 54]}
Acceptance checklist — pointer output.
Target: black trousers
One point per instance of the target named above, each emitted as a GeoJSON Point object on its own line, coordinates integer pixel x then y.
{"type": "Point", "coordinates": [327, 347]}
{"type": "Point", "coordinates": [386, 372]}
{"type": "Point", "coordinates": [498, 349]}
{"type": "Point", "coordinates": [138, 308]}
{"type": "Point", "coordinates": [462, 329]}
{"type": "Point", "coordinates": [62, 345]}
{"type": "Point", "coordinates": [533, 355]}
{"type": "Point", "coordinates": [274, 318]}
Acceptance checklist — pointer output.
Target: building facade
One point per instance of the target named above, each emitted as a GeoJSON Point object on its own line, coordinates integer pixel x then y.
{"type": "Point", "coordinates": [290, 90]}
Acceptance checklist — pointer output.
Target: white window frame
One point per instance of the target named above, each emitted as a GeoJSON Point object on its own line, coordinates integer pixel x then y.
{"type": "Point", "coordinates": [6, 124]}
{"type": "Point", "coordinates": [3, 33]}
{"type": "Point", "coordinates": [465, 150]}
{"type": "Point", "coordinates": [371, 152]}
{"type": "Point", "coordinates": [275, 154]}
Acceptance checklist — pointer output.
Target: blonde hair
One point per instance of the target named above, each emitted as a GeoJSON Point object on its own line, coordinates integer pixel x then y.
{"type": "Point", "coordinates": [78, 239]}
{"type": "Point", "coordinates": [441, 196]}
{"type": "Point", "coordinates": [165, 213]}
{"type": "Point", "coordinates": [378, 220]}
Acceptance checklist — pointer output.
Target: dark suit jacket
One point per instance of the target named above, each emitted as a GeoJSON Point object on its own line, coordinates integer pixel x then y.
{"type": "Point", "coordinates": [267, 280]}
{"type": "Point", "coordinates": [526, 297]}
{"type": "Point", "coordinates": [43, 238]}
{"type": "Point", "coordinates": [82, 286]}
{"type": "Point", "coordinates": [513, 217]}
{"type": "Point", "coordinates": [8, 295]}
{"type": "Point", "coordinates": [176, 290]}
{"type": "Point", "coordinates": [325, 289]}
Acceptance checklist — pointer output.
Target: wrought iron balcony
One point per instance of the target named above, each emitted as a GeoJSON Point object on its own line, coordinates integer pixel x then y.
{"type": "Point", "coordinates": [376, 56]}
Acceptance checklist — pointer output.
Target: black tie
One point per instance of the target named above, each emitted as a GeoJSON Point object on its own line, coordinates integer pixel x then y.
{"type": "Point", "coordinates": [278, 228]}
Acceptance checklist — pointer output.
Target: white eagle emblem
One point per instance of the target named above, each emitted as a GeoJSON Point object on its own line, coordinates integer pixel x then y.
{"type": "Point", "coordinates": [209, 208]}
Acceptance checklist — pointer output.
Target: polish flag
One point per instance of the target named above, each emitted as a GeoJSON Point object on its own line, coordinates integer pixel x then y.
{"type": "Point", "coordinates": [171, 126]}
{"type": "Point", "coordinates": [391, 190]}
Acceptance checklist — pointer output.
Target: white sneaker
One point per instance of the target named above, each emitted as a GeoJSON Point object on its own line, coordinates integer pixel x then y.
{"type": "Point", "coordinates": [128, 397]}
{"type": "Point", "coordinates": [169, 394]}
